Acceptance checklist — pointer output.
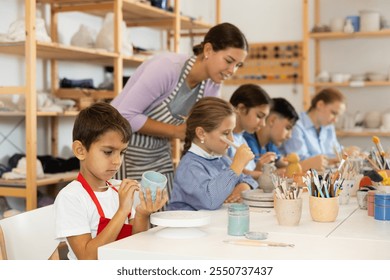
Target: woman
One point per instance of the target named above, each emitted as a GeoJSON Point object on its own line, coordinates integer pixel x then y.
{"type": "Point", "coordinates": [314, 136]}
{"type": "Point", "coordinates": [158, 97]}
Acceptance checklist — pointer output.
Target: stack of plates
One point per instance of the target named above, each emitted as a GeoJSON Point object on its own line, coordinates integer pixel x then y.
{"type": "Point", "coordinates": [258, 198]}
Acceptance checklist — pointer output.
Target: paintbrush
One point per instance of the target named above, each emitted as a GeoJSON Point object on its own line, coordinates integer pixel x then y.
{"type": "Point", "coordinates": [114, 186]}
{"type": "Point", "coordinates": [257, 243]}
{"type": "Point", "coordinates": [336, 174]}
{"type": "Point", "coordinates": [379, 147]}
{"type": "Point", "coordinates": [376, 168]}
{"type": "Point", "coordinates": [230, 143]}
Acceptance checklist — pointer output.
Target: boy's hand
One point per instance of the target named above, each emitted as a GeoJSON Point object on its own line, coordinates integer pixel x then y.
{"type": "Point", "coordinates": [268, 157]}
{"type": "Point", "coordinates": [147, 206]}
{"type": "Point", "coordinates": [126, 195]}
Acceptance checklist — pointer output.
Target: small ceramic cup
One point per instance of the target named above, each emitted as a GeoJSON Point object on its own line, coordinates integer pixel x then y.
{"type": "Point", "coordinates": [362, 198]}
{"type": "Point", "coordinates": [153, 180]}
{"type": "Point", "coordinates": [288, 211]}
{"type": "Point", "coordinates": [324, 209]}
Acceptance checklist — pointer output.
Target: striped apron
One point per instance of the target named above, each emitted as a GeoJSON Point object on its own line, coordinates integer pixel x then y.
{"type": "Point", "coordinates": [154, 153]}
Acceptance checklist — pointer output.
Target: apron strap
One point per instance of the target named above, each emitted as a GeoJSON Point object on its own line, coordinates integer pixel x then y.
{"type": "Point", "coordinates": [89, 190]}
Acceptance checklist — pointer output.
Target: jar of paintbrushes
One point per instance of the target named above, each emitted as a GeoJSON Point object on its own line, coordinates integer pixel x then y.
{"type": "Point", "coordinates": [287, 202]}
{"type": "Point", "coordinates": [324, 191]}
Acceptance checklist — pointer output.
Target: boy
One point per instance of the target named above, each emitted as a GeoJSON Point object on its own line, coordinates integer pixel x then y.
{"type": "Point", "coordinates": [90, 212]}
{"type": "Point", "coordinates": [264, 142]}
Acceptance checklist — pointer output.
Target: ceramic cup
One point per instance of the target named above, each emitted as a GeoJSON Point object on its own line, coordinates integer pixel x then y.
{"type": "Point", "coordinates": [288, 211]}
{"type": "Point", "coordinates": [153, 180]}
{"type": "Point", "coordinates": [362, 199]}
{"type": "Point", "coordinates": [324, 209]}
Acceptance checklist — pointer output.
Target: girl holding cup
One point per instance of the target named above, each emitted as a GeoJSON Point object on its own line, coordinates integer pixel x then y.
{"type": "Point", "coordinates": [206, 177]}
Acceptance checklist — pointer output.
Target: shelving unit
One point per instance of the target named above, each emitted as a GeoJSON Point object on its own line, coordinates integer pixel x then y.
{"type": "Point", "coordinates": [134, 14]}
{"type": "Point", "coordinates": [317, 38]}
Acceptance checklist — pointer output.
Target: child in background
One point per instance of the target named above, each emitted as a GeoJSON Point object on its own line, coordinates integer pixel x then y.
{"type": "Point", "coordinates": [206, 177]}
{"type": "Point", "coordinates": [252, 105]}
{"type": "Point", "coordinates": [278, 127]}
{"type": "Point", "coordinates": [314, 136]}
{"type": "Point", "coordinates": [89, 211]}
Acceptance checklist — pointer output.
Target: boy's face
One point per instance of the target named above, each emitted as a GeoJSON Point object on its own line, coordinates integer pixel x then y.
{"type": "Point", "coordinates": [281, 129]}
{"type": "Point", "coordinates": [104, 157]}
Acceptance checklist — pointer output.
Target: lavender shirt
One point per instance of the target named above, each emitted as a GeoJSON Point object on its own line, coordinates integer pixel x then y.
{"type": "Point", "coordinates": [153, 81]}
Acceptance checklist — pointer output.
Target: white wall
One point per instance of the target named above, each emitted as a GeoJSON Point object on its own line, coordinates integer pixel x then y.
{"type": "Point", "coordinates": [260, 20]}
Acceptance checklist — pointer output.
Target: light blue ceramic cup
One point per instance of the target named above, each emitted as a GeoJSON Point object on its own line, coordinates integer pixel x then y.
{"type": "Point", "coordinates": [153, 180]}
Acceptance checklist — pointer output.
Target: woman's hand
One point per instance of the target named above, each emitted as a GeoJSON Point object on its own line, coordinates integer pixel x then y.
{"type": "Point", "coordinates": [180, 131]}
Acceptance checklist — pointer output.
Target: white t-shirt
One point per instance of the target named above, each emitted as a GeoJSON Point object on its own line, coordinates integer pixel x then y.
{"type": "Point", "coordinates": [76, 213]}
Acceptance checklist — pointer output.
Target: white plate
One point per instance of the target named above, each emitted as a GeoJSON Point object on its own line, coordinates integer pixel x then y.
{"type": "Point", "coordinates": [257, 195]}
{"type": "Point", "coordinates": [263, 204]}
{"type": "Point", "coordinates": [180, 218]}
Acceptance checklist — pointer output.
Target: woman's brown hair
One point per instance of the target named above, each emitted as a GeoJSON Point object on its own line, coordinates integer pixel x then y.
{"type": "Point", "coordinates": [208, 113]}
{"type": "Point", "coordinates": [221, 37]}
{"type": "Point", "coordinates": [327, 95]}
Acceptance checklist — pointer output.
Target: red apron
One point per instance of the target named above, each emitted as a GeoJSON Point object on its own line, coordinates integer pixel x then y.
{"type": "Point", "coordinates": [125, 230]}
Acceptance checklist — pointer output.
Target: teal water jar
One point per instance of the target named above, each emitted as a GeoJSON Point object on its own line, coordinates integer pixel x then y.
{"type": "Point", "coordinates": [238, 222]}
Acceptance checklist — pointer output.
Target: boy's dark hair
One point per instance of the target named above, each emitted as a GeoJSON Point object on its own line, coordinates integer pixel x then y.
{"type": "Point", "coordinates": [95, 120]}
{"type": "Point", "coordinates": [284, 108]}
{"type": "Point", "coordinates": [221, 37]}
{"type": "Point", "coordinates": [250, 95]}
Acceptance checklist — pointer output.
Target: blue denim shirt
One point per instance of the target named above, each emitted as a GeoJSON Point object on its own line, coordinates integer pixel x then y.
{"type": "Point", "coordinates": [307, 142]}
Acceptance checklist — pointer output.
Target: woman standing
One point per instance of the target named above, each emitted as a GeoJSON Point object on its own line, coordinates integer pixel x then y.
{"type": "Point", "coordinates": [159, 95]}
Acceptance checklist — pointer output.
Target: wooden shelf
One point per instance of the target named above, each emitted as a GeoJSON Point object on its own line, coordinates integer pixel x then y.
{"type": "Point", "coordinates": [17, 187]}
{"type": "Point", "coordinates": [362, 133]}
{"type": "Point", "coordinates": [355, 35]}
{"type": "Point", "coordinates": [77, 93]}
{"type": "Point", "coordinates": [63, 52]}
{"type": "Point", "coordinates": [352, 84]}
{"type": "Point", "coordinates": [134, 13]}
{"type": "Point", "coordinates": [41, 114]}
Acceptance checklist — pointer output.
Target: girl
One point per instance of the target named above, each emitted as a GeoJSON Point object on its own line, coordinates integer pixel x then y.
{"type": "Point", "coordinates": [252, 105]}
{"type": "Point", "coordinates": [206, 177]}
{"type": "Point", "coordinates": [314, 136]}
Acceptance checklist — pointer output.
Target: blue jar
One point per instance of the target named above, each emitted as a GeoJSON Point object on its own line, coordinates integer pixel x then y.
{"type": "Point", "coordinates": [238, 223]}
{"type": "Point", "coordinates": [382, 206]}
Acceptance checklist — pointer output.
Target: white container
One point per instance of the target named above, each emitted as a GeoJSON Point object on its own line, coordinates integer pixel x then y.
{"type": "Point", "coordinates": [337, 24]}
{"type": "Point", "coordinates": [386, 121]}
{"type": "Point", "coordinates": [369, 21]}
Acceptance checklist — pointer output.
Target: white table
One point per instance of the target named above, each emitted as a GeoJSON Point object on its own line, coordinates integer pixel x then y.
{"type": "Point", "coordinates": [354, 235]}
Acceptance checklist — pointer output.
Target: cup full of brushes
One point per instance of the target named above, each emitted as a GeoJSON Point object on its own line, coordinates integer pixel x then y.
{"type": "Point", "coordinates": [324, 209]}
{"type": "Point", "coordinates": [287, 202]}
{"type": "Point", "coordinates": [288, 211]}
{"type": "Point", "coordinates": [324, 191]}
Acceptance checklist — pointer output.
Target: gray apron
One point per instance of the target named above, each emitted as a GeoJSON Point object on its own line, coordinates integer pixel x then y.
{"type": "Point", "coordinates": [154, 153]}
